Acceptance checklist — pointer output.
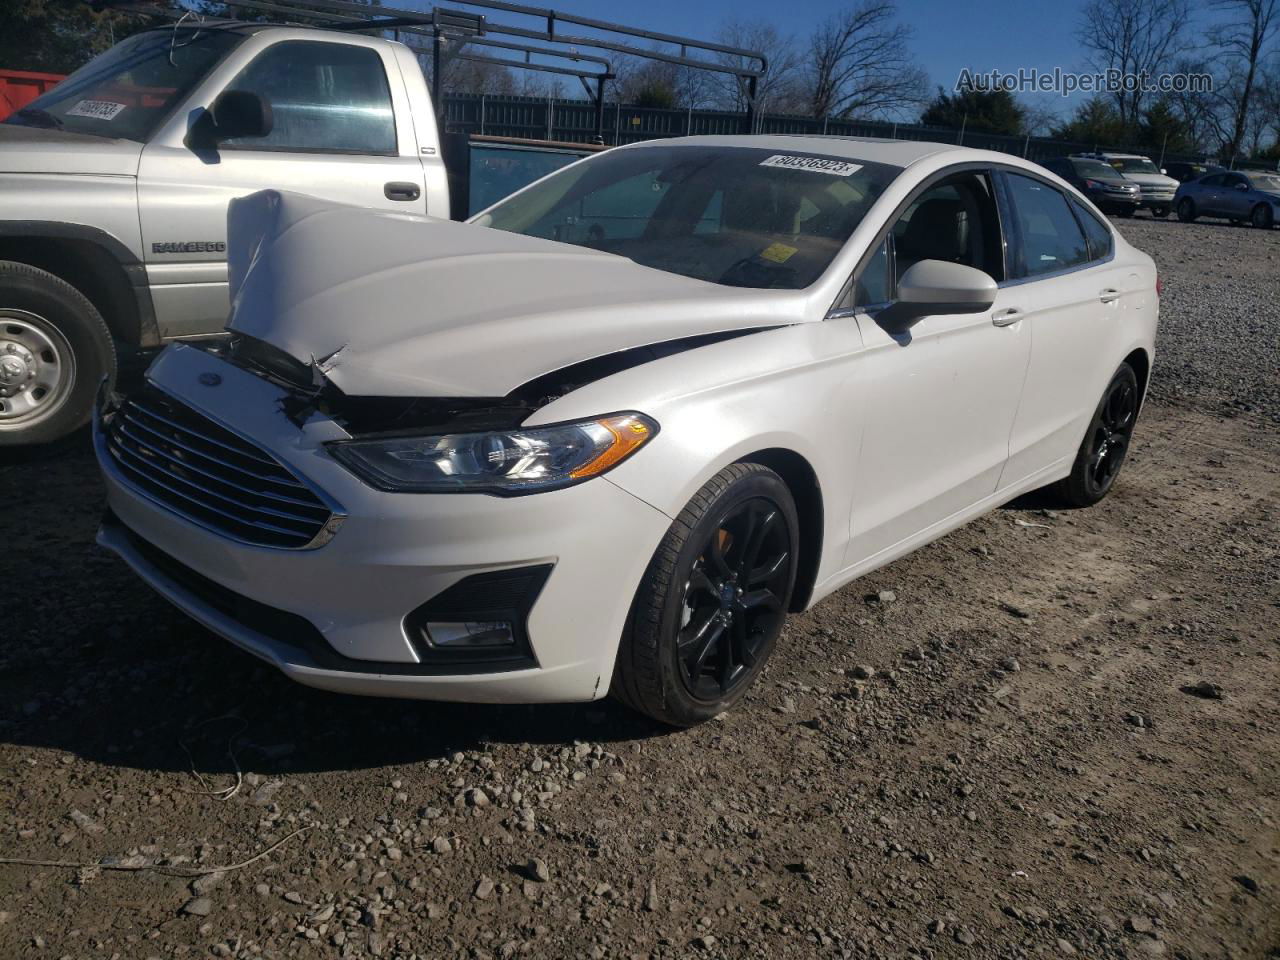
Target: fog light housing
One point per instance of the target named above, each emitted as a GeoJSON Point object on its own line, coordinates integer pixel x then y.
{"type": "Point", "coordinates": [493, 633]}
{"type": "Point", "coordinates": [479, 623]}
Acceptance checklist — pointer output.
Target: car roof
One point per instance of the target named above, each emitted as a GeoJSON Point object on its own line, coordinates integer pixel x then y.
{"type": "Point", "coordinates": [899, 153]}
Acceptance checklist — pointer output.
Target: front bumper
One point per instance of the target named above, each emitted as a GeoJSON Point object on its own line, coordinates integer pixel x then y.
{"type": "Point", "coordinates": [348, 599]}
{"type": "Point", "coordinates": [1157, 200]}
{"type": "Point", "coordinates": [1114, 200]}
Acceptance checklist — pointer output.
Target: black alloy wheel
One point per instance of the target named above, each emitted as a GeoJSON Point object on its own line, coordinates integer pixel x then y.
{"type": "Point", "coordinates": [1106, 443]}
{"type": "Point", "coordinates": [732, 607]}
{"type": "Point", "coordinates": [711, 605]}
{"type": "Point", "coordinates": [1109, 439]}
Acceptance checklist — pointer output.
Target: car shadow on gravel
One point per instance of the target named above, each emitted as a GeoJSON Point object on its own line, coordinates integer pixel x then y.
{"type": "Point", "coordinates": [152, 686]}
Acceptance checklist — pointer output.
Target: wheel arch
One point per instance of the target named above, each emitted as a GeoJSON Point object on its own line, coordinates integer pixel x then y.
{"type": "Point", "coordinates": [96, 264]}
{"type": "Point", "coordinates": [1141, 363]}
{"type": "Point", "coordinates": [802, 480]}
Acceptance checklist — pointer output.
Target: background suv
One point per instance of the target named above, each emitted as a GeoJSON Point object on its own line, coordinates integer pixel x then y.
{"type": "Point", "coordinates": [1109, 191]}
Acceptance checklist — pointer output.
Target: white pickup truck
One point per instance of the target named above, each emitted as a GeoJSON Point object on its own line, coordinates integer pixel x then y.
{"type": "Point", "coordinates": [114, 188]}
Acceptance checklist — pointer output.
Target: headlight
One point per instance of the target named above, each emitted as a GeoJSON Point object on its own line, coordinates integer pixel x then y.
{"type": "Point", "coordinates": [504, 462]}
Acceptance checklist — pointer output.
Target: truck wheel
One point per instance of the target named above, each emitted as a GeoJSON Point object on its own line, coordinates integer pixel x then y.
{"type": "Point", "coordinates": [54, 352]}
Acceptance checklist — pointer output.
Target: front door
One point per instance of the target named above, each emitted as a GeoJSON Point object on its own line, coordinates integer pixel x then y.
{"type": "Point", "coordinates": [335, 135]}
{"type": "Point", "coordinates": [944, 394]}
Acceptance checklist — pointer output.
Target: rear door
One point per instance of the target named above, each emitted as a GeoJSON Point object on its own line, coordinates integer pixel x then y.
{"type": "Point", "coordinates": [1209, 195]}
{"type": "Point", "coordinates": [1074, 292]}
{"type": "Point", "coordinates": [341, 132]}
{"type": "Point", "coordinates": [1237, 200]}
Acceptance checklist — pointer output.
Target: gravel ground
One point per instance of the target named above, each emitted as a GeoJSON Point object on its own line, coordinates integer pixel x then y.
{"type": "Point", "coordinates": [1220, 312]}
{"type": "Point", "coordinates": [1050, 734]}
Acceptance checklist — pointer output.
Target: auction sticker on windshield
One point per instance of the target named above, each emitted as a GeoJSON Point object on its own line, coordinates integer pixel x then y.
{"type": "Point", "coordinates": [96, 109]}
{"type": "Point", "coordinates": [837, 168]}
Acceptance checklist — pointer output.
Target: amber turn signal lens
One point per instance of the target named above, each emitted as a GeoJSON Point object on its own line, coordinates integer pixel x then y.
{"type": "Point", "coordinates": [629, 432]}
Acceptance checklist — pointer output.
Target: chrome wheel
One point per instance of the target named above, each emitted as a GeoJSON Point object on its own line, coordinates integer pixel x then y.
{"type": "Point", "coordinates": [37, 368]}
{"type": "Point", "coordinates": [734, 601]}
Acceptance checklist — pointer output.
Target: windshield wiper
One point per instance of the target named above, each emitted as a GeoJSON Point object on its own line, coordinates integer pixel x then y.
{"type": "Point", "coordinates": [45, 118]}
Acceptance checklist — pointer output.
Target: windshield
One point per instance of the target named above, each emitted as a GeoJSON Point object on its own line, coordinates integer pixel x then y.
{"type": "Point", "coordinates": [1134, 165]}
{"type": "Point", "coordinates": [1094, 168]}
{"type": "Point", "coordinates": [740, 216]}
{"type": "Point", "coordinates": [127, 91]}
{"type": "Point", "coordinates": [1267, 182]}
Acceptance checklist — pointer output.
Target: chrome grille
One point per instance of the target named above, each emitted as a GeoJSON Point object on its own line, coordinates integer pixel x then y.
{"type": "Point", "coordinates": [204, 472]}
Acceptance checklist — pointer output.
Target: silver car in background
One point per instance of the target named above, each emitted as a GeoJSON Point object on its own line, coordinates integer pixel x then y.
{"type": "Point", "coordinates": [1252, 195]}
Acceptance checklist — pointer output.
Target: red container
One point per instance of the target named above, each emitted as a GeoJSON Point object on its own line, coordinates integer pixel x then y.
{"type": "Point", "coordinates": [20, 87]}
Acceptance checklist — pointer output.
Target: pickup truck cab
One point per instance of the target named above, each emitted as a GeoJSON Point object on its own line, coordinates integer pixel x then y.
{"type": "Point", "coordinates": [115, 185]}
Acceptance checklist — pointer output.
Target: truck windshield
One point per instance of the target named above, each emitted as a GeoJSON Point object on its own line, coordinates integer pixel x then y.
{"type": "Point", "coordinates": [739, 216]}
{"type": "Point", "coordinates": [127, 91]}
{"type": "Point", "coordinates": [1134, 165]}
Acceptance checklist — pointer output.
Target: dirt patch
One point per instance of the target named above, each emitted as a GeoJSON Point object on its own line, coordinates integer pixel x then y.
{"type": "Point", "coordinates": [1019, 774]}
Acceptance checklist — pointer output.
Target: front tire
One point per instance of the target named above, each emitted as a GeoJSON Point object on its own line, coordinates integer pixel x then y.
{"type": "Point", "coordinates": [1262, 217]}
{"type": "Point", "coordinates": [1186, 210]}
{"type": "Point", "coordinates": [1160, 213]}
{"type": "Point", "coordinates": [711, 605]}
{"type": "Point", "coordinates": [54, 352]}
{"type": "Point", "coordinates": [1128, 212]}
{"type": "Point", "coordinates": [1105, 444]}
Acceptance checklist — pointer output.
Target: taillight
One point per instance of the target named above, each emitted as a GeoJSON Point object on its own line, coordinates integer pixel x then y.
{"type": "Point", "coordinates": [1159, 286]}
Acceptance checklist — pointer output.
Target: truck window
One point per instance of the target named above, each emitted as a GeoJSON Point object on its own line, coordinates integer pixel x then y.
{"type": "Point", "coordinates": [325, 98]}
{"type": "Point", "coordinates": [129, 90]}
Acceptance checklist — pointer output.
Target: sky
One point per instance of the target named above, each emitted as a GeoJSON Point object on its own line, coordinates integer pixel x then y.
{"type": "Point", "coordinates": [948, 35]}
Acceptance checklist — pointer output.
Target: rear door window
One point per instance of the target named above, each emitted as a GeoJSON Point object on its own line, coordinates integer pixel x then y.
{"type": "Point", "coordinates": [1049, 237]}
{"type": "Point", "coordinates": [1101, 244]}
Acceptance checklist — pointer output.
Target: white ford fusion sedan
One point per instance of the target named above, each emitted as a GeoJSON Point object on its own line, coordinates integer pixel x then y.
{"type": "Point", "coordinates": [604, 437]}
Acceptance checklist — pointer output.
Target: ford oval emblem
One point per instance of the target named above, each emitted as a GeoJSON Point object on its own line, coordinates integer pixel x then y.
{"type": "Point", "coordinates": [210, 379]}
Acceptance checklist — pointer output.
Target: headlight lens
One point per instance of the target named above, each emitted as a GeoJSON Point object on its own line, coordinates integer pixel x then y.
{"type": "Point", "coordinates": [504, 462]}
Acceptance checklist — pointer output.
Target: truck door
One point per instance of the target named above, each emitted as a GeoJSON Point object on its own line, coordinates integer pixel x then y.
{"type": "Point", "coordinates": [340, 131]}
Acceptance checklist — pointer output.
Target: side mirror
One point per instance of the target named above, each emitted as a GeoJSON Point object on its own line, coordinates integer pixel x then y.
{"type": "Point", "coordinates": [1242, 187]}
{"type": "Point", "coordinates": [933, 287]}
{"type": "Point", "coordinates": [1164, 171]}
{"type": "Point", "coordinates": [237, 113]}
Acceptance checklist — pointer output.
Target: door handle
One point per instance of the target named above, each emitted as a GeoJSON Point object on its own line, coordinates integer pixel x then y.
{"type": "Point", "coordinates": [1109, 295]}
{"type": "Point", "coordinates": [1006, 318]}
{"type": "Point", "coordinates": [401, 190]}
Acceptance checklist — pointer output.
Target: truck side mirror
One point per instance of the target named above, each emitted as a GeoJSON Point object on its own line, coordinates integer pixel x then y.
{"type": "Point", "coordinates": [239, 113]}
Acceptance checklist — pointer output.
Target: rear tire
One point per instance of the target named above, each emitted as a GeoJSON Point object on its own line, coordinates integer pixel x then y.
{"type": "Point", "coordinates": [55, 350]}
{"type": "Point", "coordinates": [711, 605]}
{"type": "Point", "coordinates": [1105, 444]}
{"type": "Point", "coordinates": [1187, 210]}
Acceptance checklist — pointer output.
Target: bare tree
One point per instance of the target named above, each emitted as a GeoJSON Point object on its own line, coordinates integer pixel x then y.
{"type": "Point", "coordinates": [859, 63]}
{"type": "Point", "coordinates": [1199, 112]}
{"type": "Point", "coordinates": [779, 89]}
{"type": "Point", "coordinates": [1135, 38]}
{"type": "Point", "coordinates": [1242, 43]}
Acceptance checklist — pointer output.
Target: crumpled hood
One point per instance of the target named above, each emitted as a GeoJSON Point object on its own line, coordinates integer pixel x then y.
{"type": "Point", "coordinates": [39, 150]}
{"type": "Point", "coordinates": [390, 304]}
